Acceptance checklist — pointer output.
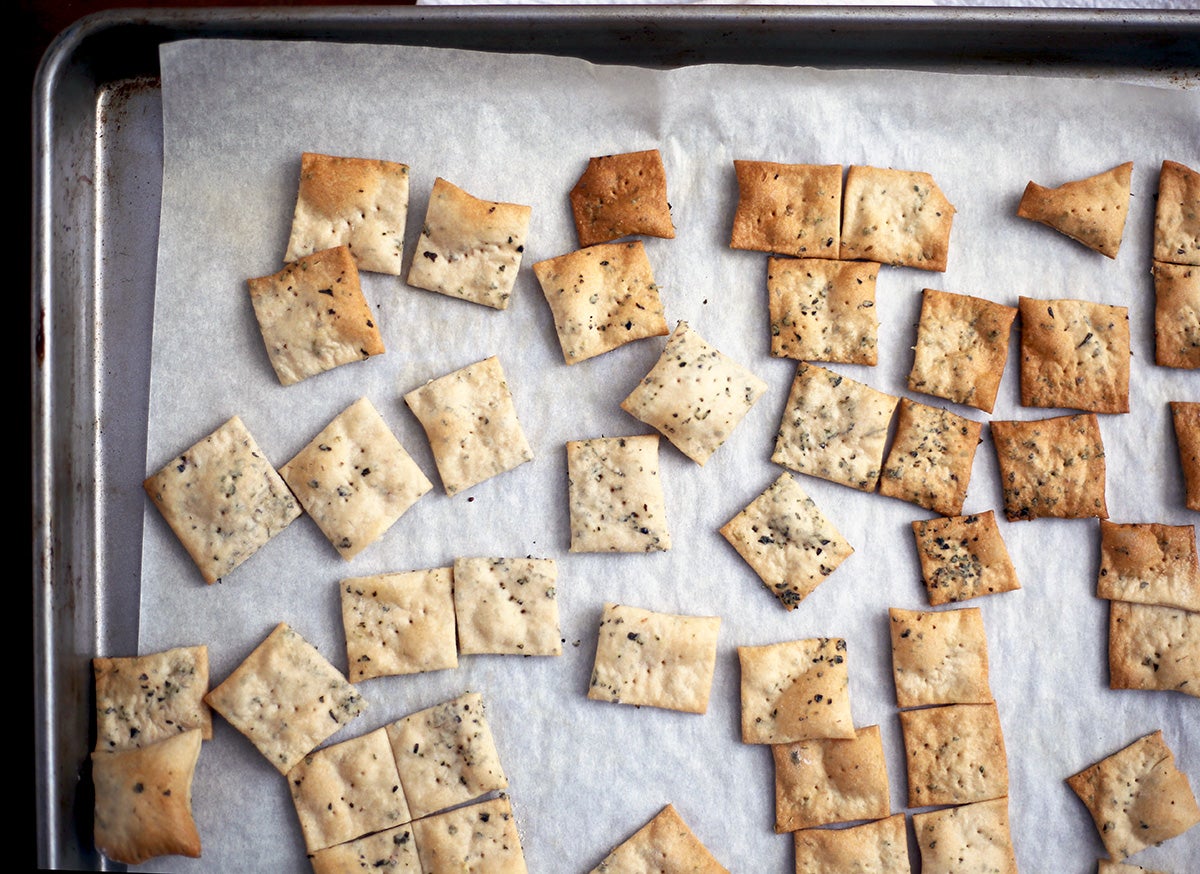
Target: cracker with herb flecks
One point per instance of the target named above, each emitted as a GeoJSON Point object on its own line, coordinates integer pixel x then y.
{"type": "Point", "coordinates": [1137, 797]}
{"type": "Point", "coordinates": [223, 499]}
{"type": "Point", "coordinates": [962, 347]}
{"type": "Point", "coordinates": [694, 395]}
{"type": "Point", "coordinates": [1185, 416]}
{"type": "Point", "coordinates": [507, 606]}
{"type": "Point", "coordinates": [1176, 315]}
{"type": "Point", "coordinates": [1051, 467]}
{"type": "Point", "coordinates": [931, 457]}
{"type": "Point", "coordinates": [601, 298]}
{"type": "Point", "coordinates": [346, 790]}
{"type": "Point", "coordinates": [879, 847]}
{"type": "Point", "coordinates": [791, 209]}
{"type": "Point", "coordinates": [1149, 563]}
{"type": "Point", "coordinates": [619, 195]}
{"type": "Point", "coordinates": [142, 699]}
{"type": "Point", "coordinates": [834, 427]}
{"type": "Point", "coordinates": [1090, 211]}
{"type": "Point", "coordinates": [1074, 353]}
{"type": "Point", "coordinates": [399, 623]}
{"type": "Point", "coordinates": [471, 422]}
{"type": "Point", "coordinates": [787, 540]}
{"type": "Point", "coordinates": [827, 780]}
{"type": "Point", "coordinates": [1177, 215]}
{"type": "Point", "coordinates": [476, 838]}
{"type": "Point", "coordinates": [616, 496]}
{"type": "Point", "coordinates": [360, 203]}
{"type": "Point", "coordinates": [970, 839]}
{"type": "Point", "coordinates": [393, 850]}
{"type": "Point", "coordinates": [955, 754]}
{"type": "Point", "coordinates": [355, 479]}
{"type": "Point", "coordinates": [654, 659]}
{"type": "Point", "coordinates": [1104, 866]}
{"type": "Point", "coordinates": [796, 690]}
{"type": "Point", "coordinates": [664, 844]}
{"type": "Point", "coordinates": [469, 248]}
{"type": "Point", "coordinates": [963, 557]}
{"type": "Point", "coordinates": [286, 698]}
{"type": "Point", "coordinates": [1151, 647]}
{"type": "Point", "coordinates": [939, 657]}
{"type": "Point", "coordinates": [446, 755]}
{"type": "Point", "coordinates": [896, 217]}
{"type": "Point", "coordinates": [823, 310]}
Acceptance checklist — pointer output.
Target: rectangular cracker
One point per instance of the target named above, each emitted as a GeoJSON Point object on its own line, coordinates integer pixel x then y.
{"type": "Point", "coordinates": [665, 843]}
{"type": "Point", "coordinates": [1091, 211]}
{"type": "Point", "coordinates": [1185, 416]}
{"type": "Point", "coordinates": [1151, 647]}
{"type": "Point", "coordinates": [896, 217]}
{"type": "Point", "coordinates": [393, 850]}
{"type": "Point", "coordinates": [399, 623]}
{"type": "Point", "coordinates": [616, 496]}
{"type": "Point", "coordinates": [619, 195]}
{"type": "Point", "coordinates": [1176, 315]}
{"type": "Point", "coordinates": [1051, 467]}
{"type": "Point", "coordinates": [963, 557]}
{"type": "Point", "coordinates": [823, 781]}
{"type": "Point", "coordinates": [1177, 215]}
{"type": "Point", "coordinates": [955, 754]}
{"type": "Point", "coordinates": [507, 606]}
{"type": "Point", "coordinates": [823, 310]}
{"type": "Point", "coordinates": [971, 839]}
{"type": "Point", "coordinates": [1149, 563]}
{"type": "Point", "coordinates": [795, 690]}
{"type": "Point", "coordinates": [476, 838]}
{"type": "Point", "coordinates": [931, 457]}
{"type": "Point", "coordinates": [879, 847]}
{"type": "Point", "coordinates": [141, 700]}
{"type": "Point", "coordinates": [791, 209]}
{"type": "Point", "coordinates": [939, 658]}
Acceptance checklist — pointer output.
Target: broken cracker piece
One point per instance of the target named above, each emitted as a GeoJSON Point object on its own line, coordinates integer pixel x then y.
{"type": "Point", "coordinates": [1090, 211]}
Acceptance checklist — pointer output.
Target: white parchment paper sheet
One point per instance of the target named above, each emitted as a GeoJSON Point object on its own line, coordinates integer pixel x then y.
{"type": "Point", "coordinates": [584, 775]}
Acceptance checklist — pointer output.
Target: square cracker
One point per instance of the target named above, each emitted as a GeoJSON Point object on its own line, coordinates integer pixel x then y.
{"type": "Point", "coordinates": [601, 298]}
{"type": "Point", "coordinates": [823, 310]}
{"type": "Point", "coordinates": [897, 217]}
{"type": "Point", "coordinates": [654, 659]}
{"type": "Point", "coordinates": [359, 203]}
{"type": "Point", "coordinates": [939, 658]}
{"type": "Point", "coordinates": [1176, 315]}
{"type": "Point", "coordinates": [822, 781]}
{"type": "Point", "coordinates": [879, 847]}
{"type": "Point", "coordinates": [694, 395]}
{"type": "Point", "coordinates": [1185, 416]}
{"type": "Point", "coordinates": [1152, 647]}
{"type": "Point", "coordinates": [346, 790]}
{"type": "Point", "coordinates": [787, 540]}
{"type": "Point", "coordinates": [963, 557]}
{"type": "Point", "coordinates": [931, 458]}
{"type": "Point", "coordinates": [834, 427]}
{"type": "Point", "coordinates": [955, 754]}
{"type": "Point", "coordinates": [143, 805]}
{"type": "Point", "coordinates": [1177, 215]}
{"type": "Point", "coordinates": [471, 422]}
{"type": "Point", "coordinates": [286, 698]}
{"type": "Point", "coordinates": [393, 850]}
{"type": "Point", "coordinates": [476, 838]}
{"type": "Point", "coordinates": [792, 209]}
{"type": "Point", "coordinates": [624, 194]}
{"type": "Point", "coordinates": [1074, 353]}
{"type": "Point", "coordinates": [962, 347]}
{"type": "Point", "coordinates": [143, 699]}
{"type": "Point", "coordinates": [616, 496]}
{"type": "Point", "coordinates": [507, 606]}
{"type": "Point", "coordinates": [971, 839]}
{"type": "Point", "coordinates": [1051, 467]}
{"type": "Point", "coordinates": [223, 499]}
{"type": "Point", "coordinates": [664, 845]}
{"type": "Point", "coordinates": [1090, 211]}
{"type": "Point", "coordinates": [445, 755]}
{"type": "Point", "coordinates": [469, 248]}
{"type": "Point", "coordinates": [1137, 797]}
{"type": "Point", "coordinates": [313, 315]}
{"type": "Point", "coordinates": [1149, 563]}
{"type": "Point", "coordinates": [796, 690]}
{"type": "Point", "coordinates": [355, 479]}
{"type": "Point", "coordinates": [399, 623]}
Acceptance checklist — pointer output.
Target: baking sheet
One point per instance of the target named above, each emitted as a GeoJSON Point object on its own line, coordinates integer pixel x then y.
{"type": "Point", "coordinates": [584, 775]}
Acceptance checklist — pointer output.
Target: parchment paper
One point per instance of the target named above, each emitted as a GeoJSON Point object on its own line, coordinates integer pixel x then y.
{"type": "Point", "coordinates": [585, 775]}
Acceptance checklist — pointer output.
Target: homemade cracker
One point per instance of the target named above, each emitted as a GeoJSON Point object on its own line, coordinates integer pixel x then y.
{"type": "Point", "coordinates": [1103, 866]}
{"type": "Point", "coordinates": [931, 458]}
{"type": "Point", "coordinates": [393, 850]}
{"type": "Point", "coordinates": [616, 496]}
{"type": "Point", "coordinates": [479, 838]}
{"type": "Point", "coordinates": [834, 427]}
{"type": "Point", "coordinates": [955, 754]}
{"type": "Point", "coordinates": [286, 698]}
{"type": "Point", "coordinates": [962, 347]}
{"type": "Point", "coordinates": [818, 782]}
{"type": "Point", "coordinates": [1177, 215]}
{"type": "Point", "coordinates": [1051, 467]}
{"type": "Point", "coordinates": [1185, 416]}
{"type": "Point", "coordinates": [359, 203]}
{"type": "Point", "coordinates": [399, 623]}
{"type": "Point", "coordinates": [471, 422]}
{"type": "Point", "coordinates": [1137, 797]}
{"type": "Point", "coordinates": [971, 839]}
{"type": "Point", "coordinates": [792, 209]}
{"type": "Point", "coordinates": [939, 658]}
{"type": "Point", "coordinates": [223, 499]}
{"type": "Point", "coordinates": [507, 606]}
{"type": "Point", "coordinates": [1149, 563]}
{"type": "Point", "coordinates": [144, 699]}
{"type": "Point", "coordinates": [895, 217]}
{"type": "Point", "coordinates": [1151, 647]}
{"type": "Point", "coordinates": [879, 847]}
{"type": "Point", "coordinates": [1176, 315]}
{"type": "Point", "coordinates": [963, 557]}
{"type": "Point", "coordinates": [796, 690]}
{"type": "Point", "coordinates": [1076, 354]}
{"type": "Point", "coordinates": [664, 845]}
{"type": "Point", "coordinates": [787, 540]}
{"type": "Point", "coordinates": [619, 195]}
{"type": "Point", "coordinates": [694, 395]}
{"type": "Point", "coordinates": [469, 248]}
{"type": "Point", "coordinates": [601, 298]}
{"type": "Point", "coordinates": [823, 310]}
{"type": "Point", "coordinates": [1090, 211]}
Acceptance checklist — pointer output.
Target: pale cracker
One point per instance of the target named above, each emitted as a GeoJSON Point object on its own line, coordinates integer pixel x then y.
{"type": "Point", "coordinates": [624, 194]}
{"type": "Point", "coordinates": [694, 395]}
{"type": "Point", "coordinates": [1149, 563]}
{"type": "Point", "coordinates": [393, 850]}
{"type": "Point", "coordinates": [286, 698]}
{"type": "Point", "coordinates": [507, 606]}
{"type": "Point", "coordinates": [1051, 467]}
{"type": "Point", "coordinates": [818, 782]}
{"type": "Point", "coordinates": [664, 845]}
{"type": "Point", "coordinates": [895, 217]}
{"type": "Point", "coordinates": [823, 310]}
{"type": "Point", "coordinates": [1185, 416]}
{"type": "Point", "coordinates": [1177, 215]}
{"type": "Point", "coordinates": [788, 542]}
{"type": "Point", "coordinates": [615, 495]}
{"type": "Point", "coordinates": [971, 839]}
{"type": "Point", "coordinates": [223, 499]}
{"type": "Point", "coordinates": [796, 690]}
{"type": "Point", "coordinates": [955, 754]}
{"type": "Point", "coordinates": [963, 557]}
{"type": "Point", "coordinates": [654, 659]}
{"type": "Point", "coordinates": [792, 209]}
{"type": "Point", "coordinates": [1151, 647]}
{"type": "Point", "coordinates": [879, 847]}
{"type": "Point", "coordinates": [939, 658]}
{"type": "Point", "coordinates": [1176, 315]}
{"type": "Point", "coordinates": [471, 422]}
{"type": "Point", "coordinates": [475, 839]}
{"type": "Point", "coordinates": [1091, 211]}
{"type": "Point", "coordinates": [931, 457]}
{"type": "Point", "coordinates": [144, 699]}
{"type": "Point", "coordinates": [399, 623]}
{"type": "Point", "coordinates": [1104, 866]}
{"type": "Point", "coordinates": [469, 248]}
{"type": "Point", "coordinates": [360, 203]}
{"type": "Point", "coordinates": [1074, 353]}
